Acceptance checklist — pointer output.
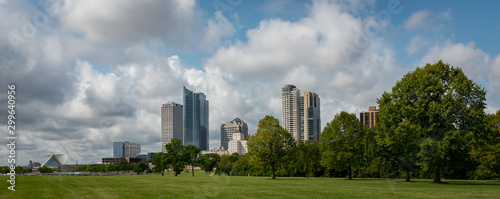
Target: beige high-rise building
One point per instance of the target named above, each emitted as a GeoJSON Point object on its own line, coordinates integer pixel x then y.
{"type": "Point", "coordinates": [291, 114]}
{"type": "Point", "coordinates": [369, 118]}
{"type": "Point", "coordinates": [311, 117]}
{"type": "Point", "coordinates": [227, 131]}
{"type": "Point", "coordinates": [171, 123]}
{"type": "Point", "coordinates": [238, 144]}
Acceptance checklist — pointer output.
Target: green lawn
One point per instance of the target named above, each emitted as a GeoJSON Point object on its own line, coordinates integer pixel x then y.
{"type": "Point", "coordinates": [202, 186]}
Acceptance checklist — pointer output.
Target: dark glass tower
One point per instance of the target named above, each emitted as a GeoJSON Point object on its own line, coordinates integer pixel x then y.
{"type": "Point", "coordinates": [195, 119]}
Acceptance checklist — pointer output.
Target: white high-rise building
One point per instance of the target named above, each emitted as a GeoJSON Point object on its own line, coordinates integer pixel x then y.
{"type": "Point", "coordinates": [171, 123]}
{"type": "Point", "coordinates": [227, 131]}
{"type": "Point", "coordinates": [290, 101]}
{"type": "Point", "coordinates": [301, 114]}
{"type": "Point", "coordinates": [238, 144]}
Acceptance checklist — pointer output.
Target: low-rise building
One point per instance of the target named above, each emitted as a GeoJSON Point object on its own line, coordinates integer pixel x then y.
{"type": "Point", "coordinates": [216, 151]}
{"type": "Point", "coordinates": [238, 144]}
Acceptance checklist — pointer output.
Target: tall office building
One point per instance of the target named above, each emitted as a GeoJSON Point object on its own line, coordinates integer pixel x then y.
{"type": "Point", "coordinates": [370, 117]}
{"type": "Point", "coordinates": [301, 114]}
{"type": "Point", "coordinates": [311, 115]}
{"type": "Point", "coordinates": [171, 123]}
{"type": "Point", "coordinates": [195, 119]}
{"type": "Point", "coordinates": [227, 131]}
{"type": "Point", "coordinates": [290, 103]}
{"type": "Point", "coordinates": [126, 149]}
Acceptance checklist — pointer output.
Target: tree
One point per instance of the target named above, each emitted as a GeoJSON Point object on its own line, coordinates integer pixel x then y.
{"type": "Point", "coordinates": [174, 155]}
{"type": "Point", "coordinates": [45, 169]}
{"type": "Point", "coordinates": [160, 162]}
{"type": "Point", "coordinates": [192, 153]}
{"type": "Point", "coordinates": [308, 157]}
{"type": "Point", "coordinates": [5, 169]}
{"type": "Point", "coordinates": [140, 167]}
{"type": "Point", "coordinates": [19, 169]}
{"type": "Point", "coordinates": [487, 151]}
{"type": "Point", "coordinates": [241, 166]}
{"type": "Point", "coordinates": [433, 112]}
{"type": "Point", "coordinates": [209, 161]}
{"type": "Point", "coordinates": [342, 143]}
{"type": "Point", "coordinates": [396, 131]}
{"type": "Point", "coordinates": [270, 145]}
{"type": "Point", "coordinates": [226, 163]}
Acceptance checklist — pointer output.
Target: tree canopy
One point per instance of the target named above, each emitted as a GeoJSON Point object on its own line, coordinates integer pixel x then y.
{"type": "Point", "coordinates": [174, 156]}
{"type": "Point", "coordinates": [270, 145]}
{"type": "Point", "coordinates": [342, 143]}
{"type": "Point", "coordinates": [432, 112]}
{"type": "Point", "coordinates": [191, 153]}
{"type": "Point", "coordinates": [208, 161]}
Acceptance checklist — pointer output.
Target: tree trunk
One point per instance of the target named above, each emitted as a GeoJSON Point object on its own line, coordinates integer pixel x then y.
{"type": "Point", "coordinates": [407, 174]}
{"type": "Point", "coordinates": [272, 170]}
{"type": "Point", "coordinates": [162, 172]}
{"type": "Point", "coordinates": [437, 177]}
{"type": "Point", "coordinates": [350, 173]}
{"type": "Point", "coordinates": [192, 169]}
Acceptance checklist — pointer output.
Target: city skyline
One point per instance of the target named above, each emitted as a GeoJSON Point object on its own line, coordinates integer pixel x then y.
{"type": "Point", "coordinates": [88, 74]}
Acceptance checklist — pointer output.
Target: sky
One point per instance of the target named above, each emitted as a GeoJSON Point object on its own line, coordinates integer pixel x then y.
{"type": "Point", "coordinates": [89, 73]}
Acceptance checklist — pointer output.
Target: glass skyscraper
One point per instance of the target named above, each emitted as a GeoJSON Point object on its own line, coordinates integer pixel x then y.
{"type": "Point", "coordinates": [195, 119]}
{"type": "Point", "coordinates": [126, 149]}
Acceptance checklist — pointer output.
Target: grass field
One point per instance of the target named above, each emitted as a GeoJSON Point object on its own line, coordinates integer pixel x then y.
{"type": "Point", "coordinates": [203, 186]}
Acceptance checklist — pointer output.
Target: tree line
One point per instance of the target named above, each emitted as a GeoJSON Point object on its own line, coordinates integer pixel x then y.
{"type": "Point", "coordinates": [432, 124]}
{"type": "Point", "coordinates": [122, 166]}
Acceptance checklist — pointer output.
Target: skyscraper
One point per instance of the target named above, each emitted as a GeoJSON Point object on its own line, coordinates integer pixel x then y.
{"type": "Point", "coordinates": [290, 99]}
{"type": "Point", "coordinates": [126, 149]}
{"type": "Point", "coordinates": [311, 115]}
{"type": "Point", "coordinates": [171, 123]}
{"type": "Point", "coordinates": [301, 114]}
{"type": "Point", "coordinates": [227, 131]}
{"type": "Point", "coordinates": [369, 118]}
{"type": "Point", "coordinates": [195, 119]}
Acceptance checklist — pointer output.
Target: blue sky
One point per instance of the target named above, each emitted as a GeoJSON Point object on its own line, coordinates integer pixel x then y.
{"type": "Point", "coordinates": [89, 73]}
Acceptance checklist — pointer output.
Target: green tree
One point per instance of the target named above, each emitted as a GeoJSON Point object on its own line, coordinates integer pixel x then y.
{"type": "Point", "coordinates": [160, 162]}
{"type": "Point", "coordinates": [140, 167]}
{"type": "Point", "coordinates": [174, 155]}
{"type": "Point", "coordinates": [5, 169]}
{"type": "Point", "coordinates": [241, 167]}
{"type": "Point", "coordinates": [209, 161]}
{"type": "Point", "coordinates": [19, 169]}
{"type": "Point", "coordinates": [45, 169]}
{"type": "Point", "coordinates": [192, 153]}
{"type": "Point", "coordinates": [396, 130]}
{"type": "Point", "coordinates": [270, 145]}
{"type": "Point", "coordinates": [226, 163]}
{"type": "Point", "coordinates": [487, 151]}
{"type": "Point", "coordinates": [435, 111]}
{"type": "Point", "coordinates": [308, 157]}
{"type": "Point", "coordinates": [342, 143]}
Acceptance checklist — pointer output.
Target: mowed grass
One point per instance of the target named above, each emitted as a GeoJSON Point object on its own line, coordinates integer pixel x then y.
{"type": "Point", "coordinates": [203, 186]}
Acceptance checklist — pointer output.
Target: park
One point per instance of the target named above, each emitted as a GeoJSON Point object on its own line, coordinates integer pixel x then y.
{"type": "Point", "coordinates": [220, 186]}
